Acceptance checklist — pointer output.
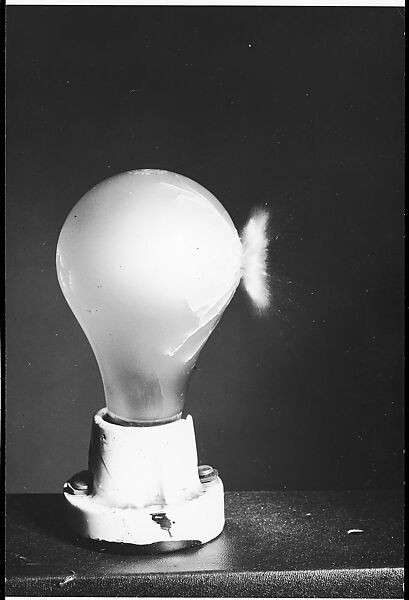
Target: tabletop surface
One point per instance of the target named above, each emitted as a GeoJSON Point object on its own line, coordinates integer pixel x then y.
{"type": "Point", "coordinates": [274, 543]}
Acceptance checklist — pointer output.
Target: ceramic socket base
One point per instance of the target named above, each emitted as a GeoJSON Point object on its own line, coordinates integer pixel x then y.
{"type": "Point", "coordinates": [144, 487]}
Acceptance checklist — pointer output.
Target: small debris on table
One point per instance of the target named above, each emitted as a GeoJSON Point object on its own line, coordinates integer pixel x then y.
{"type": "Point", "coordinates": [355, 531]}
{"type": "Point", "coordinates": [67, 579]}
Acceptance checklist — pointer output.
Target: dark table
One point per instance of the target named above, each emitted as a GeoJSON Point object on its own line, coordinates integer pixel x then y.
{"type": "Point", "coordinates": [275, 544]}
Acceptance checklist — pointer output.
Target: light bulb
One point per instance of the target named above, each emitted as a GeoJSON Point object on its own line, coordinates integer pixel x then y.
{"type": "Point", "coordinates": [148, 261]}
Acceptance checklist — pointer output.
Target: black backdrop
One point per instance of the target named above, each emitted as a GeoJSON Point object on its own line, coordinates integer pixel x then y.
{"type": "Point", "coordinates": [299, 108]}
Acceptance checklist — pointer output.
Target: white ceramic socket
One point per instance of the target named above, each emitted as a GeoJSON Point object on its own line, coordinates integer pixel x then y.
{"type": "Point", "coordinates": [145, 487]}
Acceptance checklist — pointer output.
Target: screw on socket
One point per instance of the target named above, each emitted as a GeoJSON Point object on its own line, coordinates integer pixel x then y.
{"type": "Point", "coordinates": [207, 473]}
{"type": "Point", "coordinates": [80, 484]}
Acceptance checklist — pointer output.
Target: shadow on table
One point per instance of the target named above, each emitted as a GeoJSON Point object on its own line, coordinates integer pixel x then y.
{"type": "Point", "coordinates": [43, 512]}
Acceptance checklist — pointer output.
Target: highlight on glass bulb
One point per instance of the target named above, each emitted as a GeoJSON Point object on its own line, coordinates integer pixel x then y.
{"type": "Point", "coordinates": [148, 261]}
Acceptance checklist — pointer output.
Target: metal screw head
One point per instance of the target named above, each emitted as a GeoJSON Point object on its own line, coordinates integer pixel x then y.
{"type": "Point", "coordinates": [207, 473]}
{"type": "Point", "coordinates": [80, 484]}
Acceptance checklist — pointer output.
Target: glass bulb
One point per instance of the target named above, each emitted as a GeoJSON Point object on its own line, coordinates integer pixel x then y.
{"type": "Point", "coordinates": [148, 261]}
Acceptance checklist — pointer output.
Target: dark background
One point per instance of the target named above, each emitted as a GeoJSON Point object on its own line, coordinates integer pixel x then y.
{"type": "Point", "coordinates": [299, 108]}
